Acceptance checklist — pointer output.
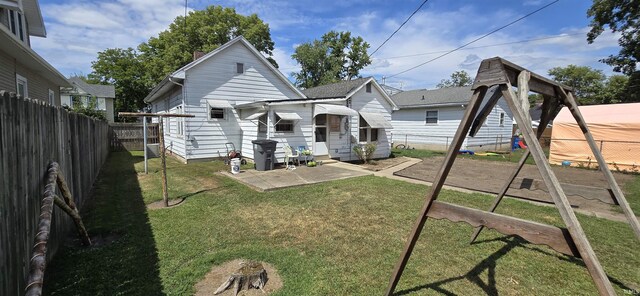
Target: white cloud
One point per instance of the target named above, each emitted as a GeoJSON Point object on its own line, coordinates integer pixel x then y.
{"type": "Point", "coordinates": [78, 30]}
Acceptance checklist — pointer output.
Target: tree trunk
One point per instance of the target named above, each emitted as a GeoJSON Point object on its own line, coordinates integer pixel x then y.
{"type": "Point", "coordinates": [251, 273]}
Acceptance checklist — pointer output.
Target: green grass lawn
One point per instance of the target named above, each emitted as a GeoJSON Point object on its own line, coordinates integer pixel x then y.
{"type": "Point", "coordinates": [336, 238]}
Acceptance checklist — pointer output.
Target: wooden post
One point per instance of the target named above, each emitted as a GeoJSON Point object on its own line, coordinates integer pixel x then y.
{"type": "Point", "coordinates": [163, 162]}
{"type": "Point", "coordinates": [560, 199]}
{"type": "Point", "coordinates": [604, 168]}
{"type": "Point", "coordinates": [461, 133]}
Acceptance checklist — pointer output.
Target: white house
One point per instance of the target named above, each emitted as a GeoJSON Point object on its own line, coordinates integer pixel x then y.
{"type": "Point", "coordinates": [84, 93]}
{"type": "Point", "coordinates": [214, 87]}
{"type": "Point", "coordinates": [22, 70]}
{"type": "Point", "coordinates": [429, 119]}
{"type": "Point", "coordinates": [237, 96]}
{"type": "Point", "coordinates": [336, 133]}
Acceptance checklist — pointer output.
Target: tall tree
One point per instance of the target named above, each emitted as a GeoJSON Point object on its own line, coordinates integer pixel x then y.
{"type": "Point", "coordinates": [586, 81]}
{"type": "Point", "coordinates": [336, 56]}
{"type": "Point", "coordinates": [123, 69]}
{"type": "Point", "coordinates": [457, 78]}
{"type": "Point", "coordinates": [620, 16]}
{"type": "Point", "coordinates": [202, 30]}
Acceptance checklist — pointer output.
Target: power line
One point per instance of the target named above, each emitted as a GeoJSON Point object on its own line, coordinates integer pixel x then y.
{"type": "Point", "coordinates": [484, 46]}
{"type": "Point", "coordinates": [475, 40]}
{"type": "Point", "coordinates": [398, 29]}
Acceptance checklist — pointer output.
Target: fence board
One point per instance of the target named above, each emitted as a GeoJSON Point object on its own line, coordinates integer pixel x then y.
{"type": "Point", "coordinates": [32, 134]}
{"type": "Point", "coordinates": [130, 136]}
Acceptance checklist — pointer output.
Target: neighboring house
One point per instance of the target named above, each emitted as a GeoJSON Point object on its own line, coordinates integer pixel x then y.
{"type": "Point", "coordinates": [335, 133]}
{"type": "Point", "coordinates": [237, 96]}
{"type": "Point", "coordinates": [86, 94]}
{"type": "Point", "coordinates": [430, 118]}
{"type": "Point", "coordinates": [22, 70]}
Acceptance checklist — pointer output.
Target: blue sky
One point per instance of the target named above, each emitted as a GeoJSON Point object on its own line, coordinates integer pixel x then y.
{"type": "Point", "coordinates": [77, 30]}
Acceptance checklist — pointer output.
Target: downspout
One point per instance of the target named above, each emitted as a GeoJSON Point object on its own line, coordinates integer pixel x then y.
{"type": "Point", "coordinates": [269, 123]}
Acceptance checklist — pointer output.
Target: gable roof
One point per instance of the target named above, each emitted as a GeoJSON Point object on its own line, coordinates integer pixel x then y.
{"type": "Point", "coordinates": [98, 90]}
{"type": "Point", "coordinates": [345, 89]}
{"type": "Point", "coordinates": [180, 73]}
{"type": "Point", "coordinates": [335, 90]}
{"type": "Point", "coordinates": [449, 96]}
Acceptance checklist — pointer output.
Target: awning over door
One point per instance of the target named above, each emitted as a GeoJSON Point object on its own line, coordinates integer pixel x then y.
{"type": "Point", "coordinates": [288, 115]}
{"type": "Point", "coordinates": [333, 109]}
{"type": "Point", "coordinates": [376, 120]}
{"type": "Point", "coordinates": [222, 104]}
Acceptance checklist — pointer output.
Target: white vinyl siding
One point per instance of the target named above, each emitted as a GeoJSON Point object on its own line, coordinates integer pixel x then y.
{"type": "Point", "coordinates": [217, 79]}
{"type": "Point", "coordinates": [170, 103]}
{"type": "Point", "coordinates": [370, 102]}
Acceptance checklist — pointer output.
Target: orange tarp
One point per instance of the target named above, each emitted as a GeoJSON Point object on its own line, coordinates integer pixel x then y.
{"type": "Point", "coordinates": [616, 129]}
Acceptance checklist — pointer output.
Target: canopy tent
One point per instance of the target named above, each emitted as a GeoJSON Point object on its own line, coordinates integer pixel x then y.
{"type": "Point", "coordinates": [616, 129]}
{"type": "Point", "coordinates": [333, 109]}
{"type": "Point", "coordinates": [376, 120]}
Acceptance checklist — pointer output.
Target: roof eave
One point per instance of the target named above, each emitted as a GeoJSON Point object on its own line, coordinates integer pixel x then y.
{"type": "Point", "coordinates": [455, 104]}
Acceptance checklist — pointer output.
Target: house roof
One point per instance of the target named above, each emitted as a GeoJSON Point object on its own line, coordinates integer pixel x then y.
{"type": "Point", "coordinates": [98, 90]}
{"type": "Point", "coordinates": [335, 90]}
{"type": "Point", "coordinates": [17, 50]}
{"type": "Point", "coordinates": [435, 97]}
{"type": "Point", "coordinates": [345, 89]}
{"type": "Point", "coordinates": [179, 74]}
{"type": "Point", "coordinates": [535, 112]}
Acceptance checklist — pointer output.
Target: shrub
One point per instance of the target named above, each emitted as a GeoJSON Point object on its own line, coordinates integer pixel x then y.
{"type": "Point", "coordinates": [365, 151]}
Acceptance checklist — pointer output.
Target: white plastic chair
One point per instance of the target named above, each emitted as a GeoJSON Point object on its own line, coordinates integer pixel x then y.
{"type": "Point", "coordinates": [290, 155]}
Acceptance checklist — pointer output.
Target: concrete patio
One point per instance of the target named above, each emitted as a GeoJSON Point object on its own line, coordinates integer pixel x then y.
{"type": "Point", "coordinates": [302, 175]}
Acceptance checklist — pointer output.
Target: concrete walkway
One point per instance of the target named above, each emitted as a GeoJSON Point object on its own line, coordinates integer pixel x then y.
{"type": "Point", "coordinates": [302, 175]}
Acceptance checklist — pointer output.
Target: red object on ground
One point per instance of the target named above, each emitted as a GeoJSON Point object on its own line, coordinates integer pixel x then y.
{"type": "Point", "coordinates": [522, 145]}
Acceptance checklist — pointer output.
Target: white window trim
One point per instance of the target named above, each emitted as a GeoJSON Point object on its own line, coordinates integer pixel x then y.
{"type": "Point", "coordinates": [437, 117]}
{"type": "Point", "coordinates": [369, 129]}
{"type": "Point", "coordinates": [501, 118]}
{"type": "Point", "coordinates": [282, 121]}
{"type": "Point", "coordinates": [52, 97]}
{"type": "Point", "coordinates": [19, 79]}
{"type": "Point", "coordinates": [224, 114]}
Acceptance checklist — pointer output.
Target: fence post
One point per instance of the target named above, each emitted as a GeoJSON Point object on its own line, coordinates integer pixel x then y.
{"type": "Point", "coordinates": [144, 144]}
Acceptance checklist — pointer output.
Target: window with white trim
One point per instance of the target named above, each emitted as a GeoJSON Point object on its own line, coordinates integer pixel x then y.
{"type": "Point", "coordinates": [52, 97]}
{"type": "Point", "coordinates": [16, 23]}
{"type": "Point", "coordinates": [262, 123]}
{"type": "Point", "coordinates": [239, 68]}
{"type": "Point", "coordinates": [368, 87]}
{"type": "Point", "coordinates": [431, 117]}
{"type": "Point", "coordinates": [501, 118]}
{"type": "Point", "coordinates": [22, 88]}
{"type": "Point", "coordinates": [216, 113]}
{"type": "Point", "coordinates": [285, 126]}
{"type": "Point", "coordinates": [367, 134]}
{"type": "Point", "coordinates": [180, 125]}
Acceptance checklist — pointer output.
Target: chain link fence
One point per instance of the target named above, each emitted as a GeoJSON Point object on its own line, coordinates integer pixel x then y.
{"type": "Point", "coordinates": [442, 143]}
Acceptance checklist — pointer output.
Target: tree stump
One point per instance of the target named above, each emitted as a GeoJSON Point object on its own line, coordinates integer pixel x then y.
{"type": "Point", "coordinates": [251, 274]}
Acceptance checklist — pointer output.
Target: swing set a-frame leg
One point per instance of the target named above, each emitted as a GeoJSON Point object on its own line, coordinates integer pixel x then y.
{"type": "Point", "coordinates": [603, 166]}
{"type": "Point", "coordinates": [461, 133]}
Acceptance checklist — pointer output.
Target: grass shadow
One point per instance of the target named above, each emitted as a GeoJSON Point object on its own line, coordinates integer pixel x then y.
{"type": "Point", "coordinates": [127, 264]}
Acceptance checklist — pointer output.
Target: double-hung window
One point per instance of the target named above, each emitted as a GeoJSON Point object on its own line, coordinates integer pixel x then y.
{"type": "Point", "coordinates": [431, 117]}
{"type": "Point", "coordinates": [21, 86]}
{"type": "Point", "coordinates": [367, 134]}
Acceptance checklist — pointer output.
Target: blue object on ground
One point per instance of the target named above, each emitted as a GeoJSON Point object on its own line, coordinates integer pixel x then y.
{"type": "Point", "coordinates": [516, 143]}
{"type": "Point", "coordinates": [566, 163]}
{"type": "Point", "coordinates": [466, 152]}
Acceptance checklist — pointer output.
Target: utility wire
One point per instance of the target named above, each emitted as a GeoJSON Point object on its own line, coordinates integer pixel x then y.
{"type": "Point", "coordinates": [398, 29]}
{"type": "Point", "coordinates": [484, 46]}
{"type": "Point", "coordinates": [475, 40]}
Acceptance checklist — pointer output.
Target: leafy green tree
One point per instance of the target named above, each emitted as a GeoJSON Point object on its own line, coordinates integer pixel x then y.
{"type": "Point", "coordinates": [123, 69]}
{"type": "Point", "coordinates": [202, 30]}
{"type": "Point", "coordinates": [586, 81]}
{"type": "Point", "coordinates": [336, 56]}
{"type": "Point", "coordinates": [87, 107]}
{"type": "Point", "coordinates": [614, 90]}
{"type": "Point", "coordinates": [457, 78]}
{"type": "Point", "coordinates": [620, 16]}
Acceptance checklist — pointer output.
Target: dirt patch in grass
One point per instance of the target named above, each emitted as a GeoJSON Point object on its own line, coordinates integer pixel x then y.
{"type": "Point", "coordinates": [220, 273]}
{"type": "Point", "coordinates": [383, 164]}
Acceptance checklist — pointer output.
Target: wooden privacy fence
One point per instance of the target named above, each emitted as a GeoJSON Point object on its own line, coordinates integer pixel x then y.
{"type": "Point", "coordinates": [130, 136]}
{"type": "Point", "coordinates": [32, 134]}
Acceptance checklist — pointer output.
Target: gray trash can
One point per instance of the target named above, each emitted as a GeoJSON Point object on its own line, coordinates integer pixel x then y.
{"type": "Point", "coordinates": [264, 154]}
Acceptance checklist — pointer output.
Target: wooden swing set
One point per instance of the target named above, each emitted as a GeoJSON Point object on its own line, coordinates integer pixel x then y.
{"type": "Point", "coordinates": [497, 72]}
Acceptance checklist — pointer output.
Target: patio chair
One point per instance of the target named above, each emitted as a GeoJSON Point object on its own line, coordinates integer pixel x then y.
{"type": "Point", "coordinates": [302, 156]}
{"type": "Point", "coordinates": [290, 155]}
